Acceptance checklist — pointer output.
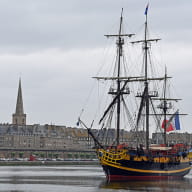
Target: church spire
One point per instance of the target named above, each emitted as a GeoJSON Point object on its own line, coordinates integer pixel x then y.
{"type": "Point", "coordinates": [19, 118]}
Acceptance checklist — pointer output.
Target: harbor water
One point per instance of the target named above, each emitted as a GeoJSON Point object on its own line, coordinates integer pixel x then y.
{"type": "Point", "coordinates": [81, 178]}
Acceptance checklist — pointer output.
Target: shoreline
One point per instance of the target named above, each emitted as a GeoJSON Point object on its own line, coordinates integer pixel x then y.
{"type": "Point", "coordinates": [47, 163]}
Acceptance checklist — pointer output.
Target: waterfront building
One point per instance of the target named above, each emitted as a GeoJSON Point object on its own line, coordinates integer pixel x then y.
{"type": "Point", "coordinates": [44, 139]}
{"type": "Point", "coordinates": [173, 138]}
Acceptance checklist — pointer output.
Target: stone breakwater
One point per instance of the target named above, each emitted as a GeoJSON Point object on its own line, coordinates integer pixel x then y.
{"type": "Point", "coordinates": [46, 163]}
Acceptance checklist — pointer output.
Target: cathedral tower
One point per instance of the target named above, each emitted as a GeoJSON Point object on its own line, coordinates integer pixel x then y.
{"type": "Point", "coordinates": [19, 118]}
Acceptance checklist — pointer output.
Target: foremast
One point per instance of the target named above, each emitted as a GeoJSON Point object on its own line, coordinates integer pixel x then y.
{"type": "Point", "coordinates": [119, 92]}
{"type": "Point", "coordinates": [120, 43]}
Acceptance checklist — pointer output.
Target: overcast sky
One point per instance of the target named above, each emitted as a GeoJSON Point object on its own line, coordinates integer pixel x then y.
{"type": "Point", "coordinates": [56, 46]}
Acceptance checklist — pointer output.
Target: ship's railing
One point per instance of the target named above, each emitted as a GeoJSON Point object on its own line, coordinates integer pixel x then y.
{"type": "Point", "coordinates": [112, 155]}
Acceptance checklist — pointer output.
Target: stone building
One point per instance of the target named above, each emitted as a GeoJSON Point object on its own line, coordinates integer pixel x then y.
{"type": "Point", "coordinates": [19, 118]}
{"type": "Point", "coordinates": [173, 138]}
{"type": "Point", "coordinates": [23, 137]}
{"type": "Point", "coordinates": [45, 137]}
{"type": "Point", "coordinates": [19, 136]}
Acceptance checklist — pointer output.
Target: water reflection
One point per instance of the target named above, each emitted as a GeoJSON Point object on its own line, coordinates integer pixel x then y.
{"type": "Point", "coordinates": [76, 179]}
{"type": "Point", "coordinates": [50, 179]}
{"type": "Point", "coordinates": [151, 186]}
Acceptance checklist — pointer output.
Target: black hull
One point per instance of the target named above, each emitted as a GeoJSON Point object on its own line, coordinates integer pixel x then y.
{"type": "Point", "coordinates": [147, 172]}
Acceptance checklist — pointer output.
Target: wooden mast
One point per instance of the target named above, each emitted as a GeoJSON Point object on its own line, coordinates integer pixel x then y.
{"type": "Point", "coordinates": [119, 91]}
{"type": "Point", "coordinates": [120, 43]}
{"type": "Point", "coordinates": [146, 85]}
{"type": "Point", "coordinates": [145, 96]}
{"type": "Point", "coordinates": [165, 108]}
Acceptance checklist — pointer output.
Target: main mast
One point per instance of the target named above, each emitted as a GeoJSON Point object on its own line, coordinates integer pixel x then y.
{"type": "Point", "coordinates": [146, 96]}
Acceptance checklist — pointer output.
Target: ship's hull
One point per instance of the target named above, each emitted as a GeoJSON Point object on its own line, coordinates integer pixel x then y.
{"type": "Point", "coordinates": [126, 173]}
{"type": "Point", "coordinates": [120, 167]}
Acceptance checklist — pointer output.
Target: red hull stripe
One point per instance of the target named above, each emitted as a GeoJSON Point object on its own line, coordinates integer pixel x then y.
{"type": "Point", "coordinates": [130, 178]}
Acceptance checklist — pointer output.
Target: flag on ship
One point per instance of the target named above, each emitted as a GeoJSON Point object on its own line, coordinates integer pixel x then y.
{"type": "Point", "coordinates": [146, 9]}
{"type": "Point", "coordinates": [173, 123]}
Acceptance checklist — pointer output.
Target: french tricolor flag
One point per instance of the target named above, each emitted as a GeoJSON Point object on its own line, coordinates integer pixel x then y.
{"type": "Point", "coordinates": [172, 124]}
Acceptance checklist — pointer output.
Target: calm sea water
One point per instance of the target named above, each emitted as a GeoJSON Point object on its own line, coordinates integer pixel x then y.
{"type": "Point", "coordinates": [78, 179]}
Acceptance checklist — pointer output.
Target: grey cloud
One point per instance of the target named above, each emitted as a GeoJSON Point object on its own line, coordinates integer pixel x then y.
{"type": "Point", "coordinates": [35, 26]}
{"type": "Point", "coordinates": [26, 26]}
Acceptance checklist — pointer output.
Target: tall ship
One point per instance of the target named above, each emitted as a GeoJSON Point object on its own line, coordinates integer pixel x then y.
{"type": "Point", "coordinates": [136, 156]}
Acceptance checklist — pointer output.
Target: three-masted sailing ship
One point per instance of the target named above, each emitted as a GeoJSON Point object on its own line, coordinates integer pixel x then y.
{"type": "Point", "coordinates": [139, 159]}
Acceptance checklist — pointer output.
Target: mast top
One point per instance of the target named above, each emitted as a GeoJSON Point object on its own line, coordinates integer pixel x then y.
{"type": "Point", "coordinates": [120, 29]}
{"type": "Point", "coordinates": [146, 11]}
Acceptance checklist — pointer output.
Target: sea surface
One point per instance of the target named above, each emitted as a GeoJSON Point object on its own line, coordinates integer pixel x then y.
{"type": "Point", "coordinates": [78, 179]}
